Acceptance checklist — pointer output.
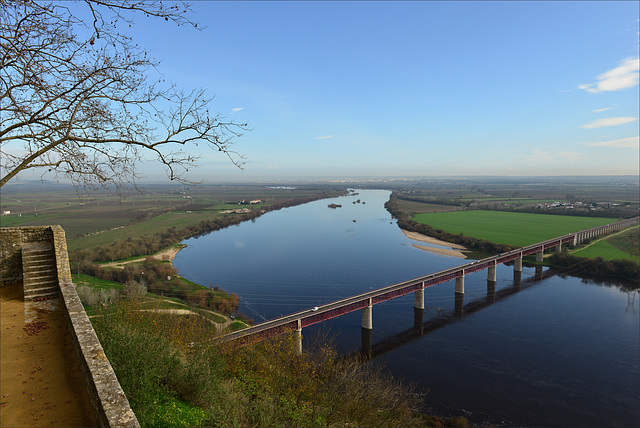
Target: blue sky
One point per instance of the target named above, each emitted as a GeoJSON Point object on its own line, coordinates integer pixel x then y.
{"type": "Point", "coordinates": [348, 89]}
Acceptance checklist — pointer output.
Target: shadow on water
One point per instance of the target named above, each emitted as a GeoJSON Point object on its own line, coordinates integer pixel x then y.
{"type": "Point", "coordinates": [461, 310]}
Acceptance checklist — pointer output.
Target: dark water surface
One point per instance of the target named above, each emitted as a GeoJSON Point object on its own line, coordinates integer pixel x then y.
{"type": "Point", "coordinates": [546, 351]}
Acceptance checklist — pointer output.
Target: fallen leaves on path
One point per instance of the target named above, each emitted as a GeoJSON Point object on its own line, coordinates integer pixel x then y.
{"type": "Point", "coordinates": [35, 327]}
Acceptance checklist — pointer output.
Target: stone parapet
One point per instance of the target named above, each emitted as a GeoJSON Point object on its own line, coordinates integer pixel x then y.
{"type": "Point", "coordinates": [111, 406]}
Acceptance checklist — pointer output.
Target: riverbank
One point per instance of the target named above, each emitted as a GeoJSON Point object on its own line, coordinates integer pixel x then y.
{"type": "Point", "coordinates": [455, 250]}
{"type": "Point", "coordinates": [168, 253]}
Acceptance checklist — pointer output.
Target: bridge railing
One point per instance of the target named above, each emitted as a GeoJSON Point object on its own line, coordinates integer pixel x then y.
{"type": "Point", "coordinates": [335, 309]}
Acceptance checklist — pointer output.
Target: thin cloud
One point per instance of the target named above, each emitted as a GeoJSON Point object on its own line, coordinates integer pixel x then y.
{"type": "Point", "coordinates": [541, 156]}
{"type": "Point", "coordinates": [622, 77]}
{"type": "Point", "coordinates": [326, 137]}
{"type": "Point", "coordinates": [237, 109]}
{"type": "Point", "coordinates": [602, 109]}
{"type": "Point", "coordinates": [622, 143]}
{"type": "Point", "coordinates": [609, 121]}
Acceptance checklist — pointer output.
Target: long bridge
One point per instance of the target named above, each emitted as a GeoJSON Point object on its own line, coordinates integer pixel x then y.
{"type": "Point", "coordinates": [297, 321]}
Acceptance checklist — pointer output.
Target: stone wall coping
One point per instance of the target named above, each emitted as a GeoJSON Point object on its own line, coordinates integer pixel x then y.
{"type": "Point", "coordinates": [109, 402]}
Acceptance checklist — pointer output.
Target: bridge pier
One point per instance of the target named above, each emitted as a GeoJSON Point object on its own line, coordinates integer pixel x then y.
{"type": "Point", "coordinates": [460, 285]}
{"type": "Point", "coordinates": [293, 323]}
{"type": "Point", "coordinates": [418, 298]}
{"type": "Point", "coordinates": [367, 317]}
{"type": "Point", "coordinates": [297, 335]}
{"type": "Point", "coordinates": [491, 273]}
{"type": "Point", "coordinates": [418, 310]}
{"type": "Point", "coordinates": [517, 264]}
{"type": "Point", "coordinates": [459, 296]}
{"type": "Point", "coordinates": [540, 256]}
{"type": "Point", "coordinates": [559, 247]}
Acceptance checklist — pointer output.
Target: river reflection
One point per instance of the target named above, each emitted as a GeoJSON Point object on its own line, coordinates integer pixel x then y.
{"type": "Point", "coordinates": [543, 351]}
{"type": "Point", "coordinates": [421, 328]}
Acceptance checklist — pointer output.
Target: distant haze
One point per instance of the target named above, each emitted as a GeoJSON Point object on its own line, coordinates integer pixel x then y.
{"type": "Point", "coordinates": [376, 89]}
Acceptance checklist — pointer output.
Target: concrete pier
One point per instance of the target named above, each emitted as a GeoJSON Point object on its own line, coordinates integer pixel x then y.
{"type": "Point", "coordinates": [297, 334]}
{"type": "Point", "coordinates": [491, 273]}
{"type": "Point", "coordinates": [418, 299]}
{"type": "Point", "coordinates": [517, 265]}
{"type": "Point", "coordinates": [367, 317]}
{"type": "Point", "coordinates": [365, 301]}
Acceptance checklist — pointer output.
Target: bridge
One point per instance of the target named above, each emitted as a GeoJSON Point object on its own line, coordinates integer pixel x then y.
{"type": "Point", "coordinates": [297, 321]}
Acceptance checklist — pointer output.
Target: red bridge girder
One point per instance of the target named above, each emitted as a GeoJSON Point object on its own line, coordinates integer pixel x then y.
{"type": "Point", "coordinates": [306, 318]}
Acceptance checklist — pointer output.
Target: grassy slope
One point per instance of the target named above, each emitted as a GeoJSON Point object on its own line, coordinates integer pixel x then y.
{"type": "Point", "coordinates": [604, 248]}
{"type": "Point", "coordinates": [509, 228]}
{"type": "Point", "coordinates": [152, 300]}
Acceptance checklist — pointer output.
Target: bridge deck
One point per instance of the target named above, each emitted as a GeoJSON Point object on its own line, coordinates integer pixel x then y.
{"type": "Point", "coordinates": [335, 309]}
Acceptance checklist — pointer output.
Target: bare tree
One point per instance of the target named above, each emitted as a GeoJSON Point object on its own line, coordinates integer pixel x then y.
{"type": "Point", "coordinates": [80, 99]}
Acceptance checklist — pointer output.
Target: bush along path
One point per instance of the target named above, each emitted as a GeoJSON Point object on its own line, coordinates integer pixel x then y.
{"type": "Point", "coordinates": [174, 375]}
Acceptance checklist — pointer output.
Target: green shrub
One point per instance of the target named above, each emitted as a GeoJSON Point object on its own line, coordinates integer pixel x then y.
{"type": "Point", "coordinates": [174, 413]}
{"type": "Point", "coordinates": [143, 360]}
{"type": "Point", "coordinates": [174, 376]}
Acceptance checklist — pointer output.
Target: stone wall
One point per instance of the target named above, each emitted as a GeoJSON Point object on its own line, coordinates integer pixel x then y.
{"type": "Point", "coordinates": [11, 240]}
{"type": "Point", "coordinates": [111, 406]}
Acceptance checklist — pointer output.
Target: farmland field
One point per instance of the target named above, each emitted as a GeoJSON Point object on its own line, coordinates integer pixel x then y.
{"type": "Point", "coordinates": [618, 246]}
{"type": "Point", "coordinates": [105, 217]}
{"type": "Point", "coordinates": [616, 195]}
{"type": "Point", "coordinates": [507, 227]}
{"type": "Point", "coordinates": [414, 207]}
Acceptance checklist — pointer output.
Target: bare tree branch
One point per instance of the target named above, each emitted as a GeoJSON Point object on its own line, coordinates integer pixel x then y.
{"type": "Point", "coordinates": [77, 97]}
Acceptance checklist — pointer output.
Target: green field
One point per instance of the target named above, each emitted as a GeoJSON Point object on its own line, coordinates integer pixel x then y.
{"type": "Point", "coordinates": [154, 225]}
{"type": "Point", "coordinates": [104, 217]}
{"type": "Point", "coordinates": [92, 281]}
{"type": "Point", "coordinates": [508, 227]}
{"type": "Point", "coordinates": [415, 207]}
{"type": "Point", "coordinates": [618, 246]}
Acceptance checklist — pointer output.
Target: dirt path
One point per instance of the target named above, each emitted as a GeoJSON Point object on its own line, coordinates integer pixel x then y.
{"type": "Point", "coordinates": [166, 254]}
{"type": "Point", "coordinates": [169, 254]}
{"type": "Point", "coordinates": [221, 326]}
{"type": "Point", "coordinates": [40, 379]}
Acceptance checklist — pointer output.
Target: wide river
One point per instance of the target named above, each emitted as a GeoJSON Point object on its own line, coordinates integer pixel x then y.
{"type": "Point", "coordinates": [548, 351]}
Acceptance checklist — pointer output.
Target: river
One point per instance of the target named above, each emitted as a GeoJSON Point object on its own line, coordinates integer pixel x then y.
{"type": "Point", "coordinates": [552, 350]}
